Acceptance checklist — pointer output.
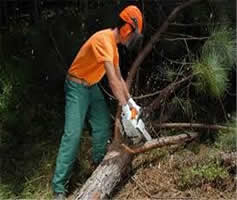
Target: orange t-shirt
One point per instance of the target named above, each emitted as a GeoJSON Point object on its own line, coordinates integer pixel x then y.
{"type": "Point", "coordinates": [89, 62]}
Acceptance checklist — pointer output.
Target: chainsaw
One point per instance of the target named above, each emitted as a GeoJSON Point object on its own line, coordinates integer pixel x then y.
{"type": "Point", "coordinates": [135, 129]}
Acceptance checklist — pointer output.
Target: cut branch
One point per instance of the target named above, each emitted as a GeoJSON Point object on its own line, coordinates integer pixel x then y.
{"type": "Point", "coordinates": [161, 142]}
{"type": "Point", "coordinates": [190, 125]}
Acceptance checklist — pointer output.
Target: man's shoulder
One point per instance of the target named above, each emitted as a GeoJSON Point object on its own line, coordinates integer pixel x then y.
{"type": "Point", "coordinates": [102, 34]}
{"type": "Point", "coordinates": [106, 31]}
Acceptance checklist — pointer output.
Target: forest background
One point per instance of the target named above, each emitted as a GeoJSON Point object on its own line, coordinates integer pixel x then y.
{"type": "Point", "coordinates": [40, 38]}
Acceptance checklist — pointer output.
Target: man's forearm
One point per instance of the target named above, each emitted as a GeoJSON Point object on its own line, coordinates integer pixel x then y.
{"type": "Point", "coordinates": [118, 91]}
{"type": "Point", "coordinates": [125, 89]}
{"type": "Point", "coordinates": [116, 83]}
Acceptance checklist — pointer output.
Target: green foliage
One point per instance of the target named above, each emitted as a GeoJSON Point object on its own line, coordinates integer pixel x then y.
{"type": "Point", "coordinates": [5, 192]}
{"type": "Point", "coordinates": [222, 42]}
{"type": "Point", "coordinates": [6, 94]}
{"type": "Point", "coordinates": [31, 108]}
{"type": "Point", "coordinates": [15, 74]}
{"type": "Point", "coordinates": [31, 114]}
{"type": "Point", "coordinates": [215, 63]}
{"type": "Point", "coordinates": [184, 105]}
{"type": "Point", "coordinates": [197, 175]}
{"type": "Point", "coordinates": [38, 181]}
{"type": "Point", "coordinates": [212, 77]}
{"type": "Point", "coordinates": [227, 140]}
{"type": "Point", "coordinates": [171, 75]}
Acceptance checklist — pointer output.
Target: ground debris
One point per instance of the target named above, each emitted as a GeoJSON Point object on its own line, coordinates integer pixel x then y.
{"type": "Point", "coordinates": [156, 176]}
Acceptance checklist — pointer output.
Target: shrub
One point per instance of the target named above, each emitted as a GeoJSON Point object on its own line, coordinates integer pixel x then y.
{"type": "Point", "coordinates": [197, 175]}
{"type": "Point", "coordinates": [226, 140]}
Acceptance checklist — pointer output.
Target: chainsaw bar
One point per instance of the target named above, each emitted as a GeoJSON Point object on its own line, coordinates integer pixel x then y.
{"type": "Point", "coordinates": [130, 131]}
{"type": "Point", "coordinates": [135, 129]}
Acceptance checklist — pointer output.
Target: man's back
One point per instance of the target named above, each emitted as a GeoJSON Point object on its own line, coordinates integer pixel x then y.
{"type": "Point", "coordinates": [89, 62]}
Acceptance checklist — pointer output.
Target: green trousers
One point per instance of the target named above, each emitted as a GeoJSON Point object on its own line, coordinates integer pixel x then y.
{"type": "Point", "coordinates": [81, 102]}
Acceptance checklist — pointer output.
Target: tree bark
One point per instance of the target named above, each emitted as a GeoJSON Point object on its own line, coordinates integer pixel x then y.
{"type": "Point", "coordinates": [106, 176]}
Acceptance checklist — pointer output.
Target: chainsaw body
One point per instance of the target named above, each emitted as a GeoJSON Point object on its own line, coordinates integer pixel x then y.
{"type": "Point", "coordinates": [135, 129]}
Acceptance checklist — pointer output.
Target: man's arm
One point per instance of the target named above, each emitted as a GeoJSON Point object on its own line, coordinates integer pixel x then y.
{"type": "Point", "coordinates": [131, 102]}
{"type": "Point", "coordinates": [125, 88]}
{"type": "Point", "coordinates": [117, 84]}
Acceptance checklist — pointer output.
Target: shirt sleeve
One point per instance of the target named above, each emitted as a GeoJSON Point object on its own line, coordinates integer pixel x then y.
{"type": "Point", "coordinates": [103, 50]}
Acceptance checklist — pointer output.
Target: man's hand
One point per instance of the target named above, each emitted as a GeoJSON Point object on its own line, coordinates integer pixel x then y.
{"type": "Point", "coordinates": [134, 105]}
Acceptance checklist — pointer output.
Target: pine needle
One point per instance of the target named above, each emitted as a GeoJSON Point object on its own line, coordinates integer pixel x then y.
{"type": "Point", "coordinates": [216, 61]}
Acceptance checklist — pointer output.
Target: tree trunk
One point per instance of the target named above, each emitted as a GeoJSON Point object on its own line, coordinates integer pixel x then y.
{"type": "Point", "coordinates": [106, 176]}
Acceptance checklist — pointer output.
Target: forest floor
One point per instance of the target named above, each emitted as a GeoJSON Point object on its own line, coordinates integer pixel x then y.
{"type": "Point", "coordinates": [165, 174]}
{"type": "Point", "coordinates": [176, 172]}
{"type": "Point", "coordinates": [188, 171]}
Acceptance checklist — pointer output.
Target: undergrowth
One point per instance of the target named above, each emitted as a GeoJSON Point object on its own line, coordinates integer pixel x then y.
{"type": "Point", "coordinates": [197, 175]}
{"type": "Point", "coordinates": [227, 140]}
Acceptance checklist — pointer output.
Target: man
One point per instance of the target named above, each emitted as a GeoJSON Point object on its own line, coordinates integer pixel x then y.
{"type": "Point", "coordinates": [97, 57]}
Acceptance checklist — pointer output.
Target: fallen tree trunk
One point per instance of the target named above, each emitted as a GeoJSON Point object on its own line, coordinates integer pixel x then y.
{"type": "Point", "coordinates": [106, 176]}
{"type": "Point", "coordinates": [115, 166]}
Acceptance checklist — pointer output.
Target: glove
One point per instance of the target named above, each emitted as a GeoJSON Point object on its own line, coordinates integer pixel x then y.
{"type": "Point", "coordinates": [134, 105]}
{"type": "Point", "coordinates": [126, 112]}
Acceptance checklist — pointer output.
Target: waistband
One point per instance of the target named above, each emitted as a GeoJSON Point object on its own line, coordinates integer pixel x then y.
{"type": "Point", "coordinates": [78, 80]}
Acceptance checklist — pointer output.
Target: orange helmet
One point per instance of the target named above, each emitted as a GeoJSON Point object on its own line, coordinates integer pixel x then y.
{"type": "Point", "coordinates": [133, 17]}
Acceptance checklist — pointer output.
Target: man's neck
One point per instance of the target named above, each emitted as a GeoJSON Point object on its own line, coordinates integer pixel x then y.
{"type": "Point", "coordinates": [116, 35]}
